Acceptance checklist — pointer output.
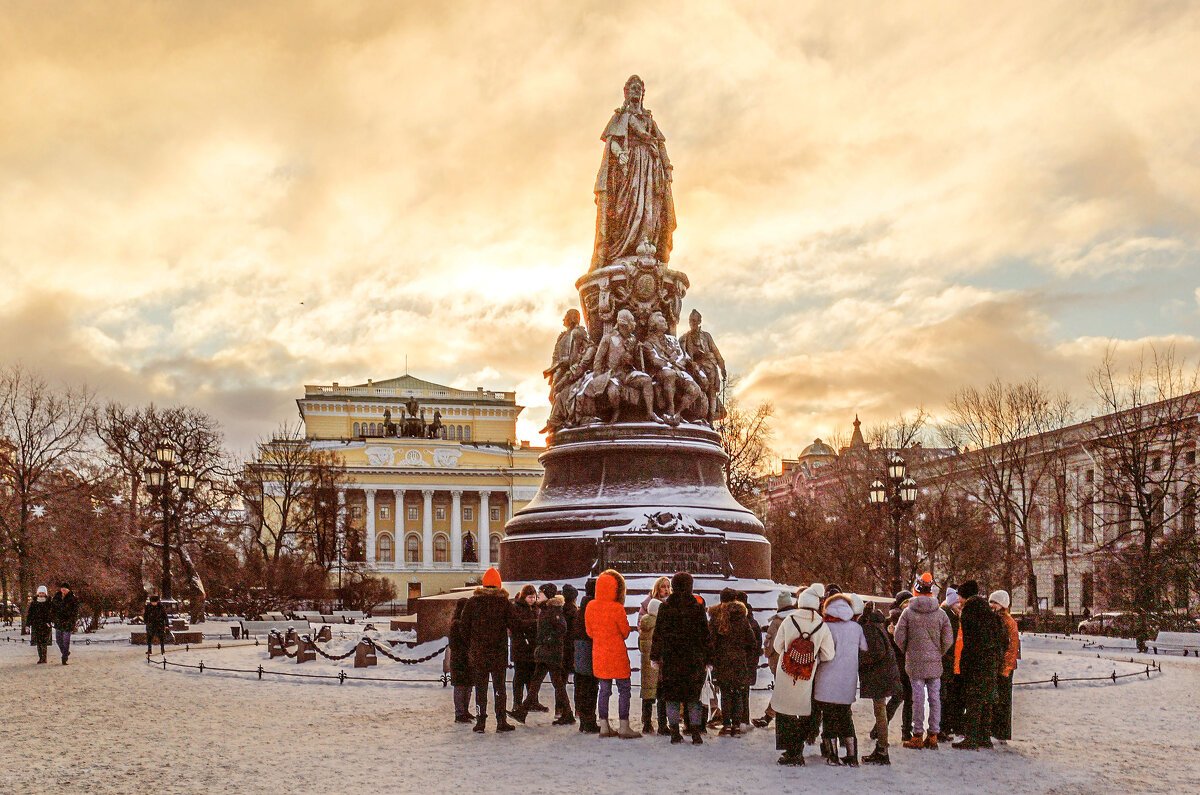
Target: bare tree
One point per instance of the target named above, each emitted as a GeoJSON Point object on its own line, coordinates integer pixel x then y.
{"type": "Point", "coordinates": [1140, 443]}
{"type": "Point", "coordinates": [42, 430]}
{"type": "Point", "coordinates": [907, 430]}
{"type": "Point", "coordinates": [1005, 425]}
{"type": "Point", "coordinates": [746, 438]}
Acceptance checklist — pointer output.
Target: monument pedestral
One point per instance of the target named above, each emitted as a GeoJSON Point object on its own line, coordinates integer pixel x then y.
{"type": "Point", "coordinates": [634, 470]}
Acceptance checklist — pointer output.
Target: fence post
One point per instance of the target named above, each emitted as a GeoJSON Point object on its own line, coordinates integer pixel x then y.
{"type": "Point", "coordinates": [202, 666]}
{"type": "Point", "coordinates": [260, 669]}
{"type": "Point", "coordinates": [342, 677]}
{"type": "Point", "coordinates": [1054, 679]}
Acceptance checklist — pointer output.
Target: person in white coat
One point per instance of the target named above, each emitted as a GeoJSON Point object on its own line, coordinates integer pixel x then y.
{"type": "Point", "coordinates": [793, 694]}
{"type": "Point", "coordinates": [836, 686]}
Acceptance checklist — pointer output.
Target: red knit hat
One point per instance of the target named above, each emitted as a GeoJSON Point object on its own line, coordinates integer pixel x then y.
{"type": "Point", "coordinates": [491, 578]}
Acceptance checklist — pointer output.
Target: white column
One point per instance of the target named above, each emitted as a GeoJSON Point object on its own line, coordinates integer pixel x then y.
{"type": "Point", "coordinates": [483, 535]}
{"type": "Point", "coordinates": [400, 541]}
{"type": "Point", "coordinates": [427, 529]}
{"type": "Point", "coordinates": [456, 529]}
{"type": "Point", "coordinates": [370, 527]}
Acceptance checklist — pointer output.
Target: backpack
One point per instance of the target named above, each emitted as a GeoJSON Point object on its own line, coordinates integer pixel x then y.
{"type": "Point", "coordinates": [800, 658]}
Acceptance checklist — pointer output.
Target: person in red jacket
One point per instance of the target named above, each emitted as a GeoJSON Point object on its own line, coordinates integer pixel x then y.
{"type": "Point", "coordinates": [608, 627]}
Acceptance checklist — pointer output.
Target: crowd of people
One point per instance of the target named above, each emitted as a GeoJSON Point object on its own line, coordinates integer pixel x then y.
{"type": "Point", "coordinates": [945, 665]}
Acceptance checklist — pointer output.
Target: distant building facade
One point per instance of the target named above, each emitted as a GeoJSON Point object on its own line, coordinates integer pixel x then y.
{"type": "Point", "coordinates": [432, 510]}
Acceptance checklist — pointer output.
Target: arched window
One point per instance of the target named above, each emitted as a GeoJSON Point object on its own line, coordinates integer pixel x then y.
{"type": "Point", "coordinates": [495, 548]}
{"type": "Point", "coordinates": [385, 552]}
{"type": "Point", "coordinates": [441, 549]}
{"type": "Point", "coordinates": [356, 429]}
{"type": "Point", "coordinates": [412, 548]}
{"type": "Point", "coordinates": [442, 432]}
{"type": "Point", "coordinates": [374, 430]}
{"type": "Point", "coordinates": [467, 433]}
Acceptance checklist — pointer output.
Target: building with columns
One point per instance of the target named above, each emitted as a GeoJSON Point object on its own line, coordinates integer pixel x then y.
{"type": "Point", "coordinates": [431, 502]}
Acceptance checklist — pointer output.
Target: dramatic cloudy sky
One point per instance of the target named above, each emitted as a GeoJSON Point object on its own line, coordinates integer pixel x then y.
{"type": "Point", "coordinates": [216, 203]}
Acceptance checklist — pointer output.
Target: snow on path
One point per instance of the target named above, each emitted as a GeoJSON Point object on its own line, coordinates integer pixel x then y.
{"type": "Point", "coordinates": [108, 723]}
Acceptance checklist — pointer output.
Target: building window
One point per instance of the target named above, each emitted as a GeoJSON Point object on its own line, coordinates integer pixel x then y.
{"type": "Point", "coordinates": [1187, 512]}
{"type": "Point", "coordinates": [356, 511]}
{"type": "Point", "coordinates": [385, 512]}
{"type": "Point", "coordinates": [1033, 526]}
{"type": "Point", "coordinates": [441, 549]}
{"type": "Point", "coordinates": [1085, 590]}
{"type": "Point", "coordinates": [412, 548]}
{"type": "Point", "coordinates": [494, 546]}
{"type": "Point", "coordinates": [1090, 476]}
{"type": "Point", "coordinates": [1157, 509]}
{"type": "Point", "coordinates": [1060, 590]}
{"type": "Point", "coordinates": [414, 513]}
{"type": "Point", "coordinates": [1087, 517]}
{"type": "Point", "coordinates": [373, 430]}
{"type": "Point", "coordinates": [439, 513]}
{"type": "Point", "coordinates": [494, 514]}
{"type": "Point", "coordinates": [1156, 463]}
{"type": "Point", "coordinates": [467, 433]}
{"type": "Point", "coordinates": [468, 513]}
{"type": "Point", "coordinates": [1123, 516]}
{"type": "Point", "coordinates": [1030, 587]}
{"type": "Point", "coordinates": [384, 551]}
{"type": "Point", "coordinates": [356, 429]}
{"type": "Point", "coordinates": [1181, 589]}
{"type": "Point", "coordinates": [1189, 457]}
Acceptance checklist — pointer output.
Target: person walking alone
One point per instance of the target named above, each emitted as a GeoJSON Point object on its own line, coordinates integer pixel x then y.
{"type": "Point", "coordinates": [608, 627]}
{"type": "Point", "coordinates": [924, 634]}
{"type": "Point", "coordinates": [66, 615]}
{"type": "Point", "coordinates": [40, 618]}
{"type": "Point", "coordinates": [154, 617]}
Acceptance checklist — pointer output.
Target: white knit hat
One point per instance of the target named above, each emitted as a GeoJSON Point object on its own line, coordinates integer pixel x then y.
{"type": "Point", "coordinates": [1001, 598]}
{"type": "Point", "coordinates": [42, 591]}
{"type": "Point", "coordinates": [952, 596]}
{"type": "Point", "coordinates": [856, 602]}
{"type": "Point", "coordinates": [811, 597]}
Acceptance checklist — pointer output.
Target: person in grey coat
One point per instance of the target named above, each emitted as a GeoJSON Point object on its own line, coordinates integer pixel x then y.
{"type": "Point", "coordinates": [924, 634]}
{"type": "Point", "coordinates": [836, 682]}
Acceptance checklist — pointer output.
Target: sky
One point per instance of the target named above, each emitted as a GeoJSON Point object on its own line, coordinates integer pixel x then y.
{"type": "Point", "coordinates": [218, 203]}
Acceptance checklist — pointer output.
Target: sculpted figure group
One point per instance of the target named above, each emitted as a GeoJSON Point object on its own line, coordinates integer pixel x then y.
{"type": "Point", "coordinates": [634, 377]}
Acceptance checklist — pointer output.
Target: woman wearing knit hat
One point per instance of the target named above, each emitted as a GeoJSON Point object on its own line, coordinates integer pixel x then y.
{"type": "Point", "coordinates": [836, 682]}
{"type": "Point", "coordinates": [792, 697]}
{"type": "Point", "coordinates": [39, 618]}
{"type": "Point", "coordinates": [923, 633]}
{"type": "Point", "coordinates": [1002, 714]}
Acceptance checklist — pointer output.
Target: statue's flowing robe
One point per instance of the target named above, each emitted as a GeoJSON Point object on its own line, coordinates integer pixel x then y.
{"type": "Point", "coordinates": [633, 201]}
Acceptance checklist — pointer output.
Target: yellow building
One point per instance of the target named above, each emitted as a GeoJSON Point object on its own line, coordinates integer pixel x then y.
{"type": "Point", "coordinates": [425, 503]}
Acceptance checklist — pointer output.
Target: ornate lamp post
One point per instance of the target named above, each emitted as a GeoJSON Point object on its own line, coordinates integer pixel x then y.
{"type": "Point", "coordinates": [897, 493]}
{"type": "Point", "coordinates": [163, 478]}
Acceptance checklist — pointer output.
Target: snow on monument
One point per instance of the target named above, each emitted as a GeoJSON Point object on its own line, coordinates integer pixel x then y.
{"type": "Point", "coordinates": [634, 470]}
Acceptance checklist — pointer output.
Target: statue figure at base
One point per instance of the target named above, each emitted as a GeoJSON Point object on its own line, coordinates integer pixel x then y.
{"type": "Point", "coordinates": [698, 344]}
{"type": "Point", "coordinates": [619, 375]}
{"type": "Point", "coordinates": [573, 355]}
{"type": "Point", "coordinates": [676, 390]}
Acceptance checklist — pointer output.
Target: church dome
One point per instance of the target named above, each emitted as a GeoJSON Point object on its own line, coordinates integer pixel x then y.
{"type": "Point", "coordinates": [818, 449]}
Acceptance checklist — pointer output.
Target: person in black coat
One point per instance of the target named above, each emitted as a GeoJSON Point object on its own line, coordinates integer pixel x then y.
{"type": "Point", "coordinates": [66, 614]}
{"type": "Point", "coordinates": [524, 636]}
{"type": "Point", "coordinates": [569, 609]}
{"type": "Point", "coordinates": [905, 699]}
{"type": "Point", "coordinates": [983, 645]}
{"type": "Point", "coordinates": [878, 677]}
{"type": "Point", "coordinates": [460, 668]}
{"type": "Point", "coordinates": [548, 657]}
{"type": "Point", "coordinates": [587, 689]}
{"type": "Point", "coordinates": [680, 650]}
{"type": "Point", "coordinates": [734, 649]}
{"type": "Point", "coordinates": [951, 698]}
{"type": "Point", "coordinates": [488, 616]}
{"type": "Point", "coordinates": [40, 618]}
{"type": "Point", "coordinates": [752, 663]}
{"type": "Point", "coordinates": [155, 619]}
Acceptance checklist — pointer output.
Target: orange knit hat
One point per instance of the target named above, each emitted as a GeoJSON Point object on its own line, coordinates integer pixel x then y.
{"type": "Point", "coordinates": [491, 578]}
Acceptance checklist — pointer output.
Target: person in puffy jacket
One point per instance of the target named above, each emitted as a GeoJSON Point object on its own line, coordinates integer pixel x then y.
{"type": "Point", "coordinates": [608, 627]}
{"type": "Point", "coordinates": [734, 645]}
{"type": "Point", "coordinates": [586, 686]}
{"type": "Point", "coordinates": [680, 653]}
{"type": "Point", "coordinates": [524, 635]}
{"type": "Point", "coordinates": [792, 696]}
{"type": "Point", "coordinates": [548, 659]}
{"type": "Point", "coordinates": [979, 653]}
{"type": "Point", "coordinates": [1002, 714]}
{"type": "Point", "coordinates": [649, 685]}
{"type": "Point", "coordinates": [836, 685]}
{"type": "Point", "coordinates": [40, 618]}
{"type": "Point", "coordinates": [878, 678]}
{"type": "Point", "coordinates": [923, 633]}
{"type": "Point", "coordinates": [487, 618]}
{"type": "Point", "coordinates": [154, 617]}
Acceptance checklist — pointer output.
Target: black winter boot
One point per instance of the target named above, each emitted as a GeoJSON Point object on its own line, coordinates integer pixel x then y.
{"type": "Point", "coordinates": [480, 724]}
{"type": "Point", "coordinates": [504, 726]}
{"type": "Point", "coordinates": [589, 726]}
{"type": "Point", "coordinates": [829, 750]}
{"type": "Point", "coordinates": [696, 738]}
{"type": "Point", "coordinates": [851, 757]}
{"type": "Point", "coordinates": [791, 759]}
{"type": "Point", "coordinates": [647, 715]}
{"type": "Point", "coordinates": [663, 729]}
{"type": "Point", "coordinates": [877, 757]}
{"type": "Point", "coordinates": [676, 737]}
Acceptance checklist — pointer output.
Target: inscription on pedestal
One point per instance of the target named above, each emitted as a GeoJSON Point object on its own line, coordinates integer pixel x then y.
{"type": "Point", "coordinates": [637, 554]}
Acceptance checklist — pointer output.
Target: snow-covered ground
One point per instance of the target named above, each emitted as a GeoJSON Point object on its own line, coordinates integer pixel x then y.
{"type": "Point", "coordinates": [111, 723]}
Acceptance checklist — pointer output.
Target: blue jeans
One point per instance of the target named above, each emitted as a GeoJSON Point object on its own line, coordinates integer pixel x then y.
{"type": "Point", "coordinates": [623, 688]}
{"type": "Point", "coordinates": [674, 708]}
{"type": "Point", "coordinates": [64, 642]}
{"type": "Point", "coordinates": [932, 686]}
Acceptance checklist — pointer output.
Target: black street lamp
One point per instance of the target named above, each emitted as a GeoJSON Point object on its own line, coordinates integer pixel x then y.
{"type": "Point", "coordinates": [162, 478]}
{"type": "Point", "coordinates": [898, 492]}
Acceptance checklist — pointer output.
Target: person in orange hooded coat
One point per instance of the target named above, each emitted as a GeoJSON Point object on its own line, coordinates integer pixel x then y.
{"type": "Point", "coordinates": [608, 627]}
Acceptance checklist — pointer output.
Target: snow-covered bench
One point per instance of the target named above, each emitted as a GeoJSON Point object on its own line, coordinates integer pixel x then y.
{"type": "Point", "coordinates": [252, 628]}
{"type": "Point", "coordinates": [310, 617]}
{"type": "Point", "coordinates": [349, 616]}
{"type": "Point", "coordinates": [1177, 641]}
